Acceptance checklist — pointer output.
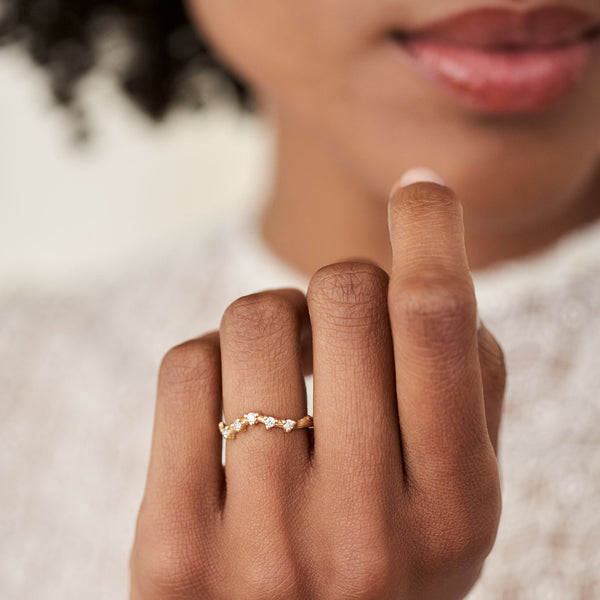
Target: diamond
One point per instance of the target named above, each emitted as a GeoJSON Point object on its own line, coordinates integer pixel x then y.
{"type": "Point", "coordinates": [269, 422]}
{"type": "Point", "coordinates": [289, 425]}
{"type": "Point", "coordinates": [226, 432]}
{"type": "Point", "coordinates": [252, 418]}
{"type": "Point", "coordinates": [237, 425]}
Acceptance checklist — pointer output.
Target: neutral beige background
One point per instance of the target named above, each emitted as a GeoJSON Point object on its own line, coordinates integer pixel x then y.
{"type": "Point", "coordinates": [71, 214]}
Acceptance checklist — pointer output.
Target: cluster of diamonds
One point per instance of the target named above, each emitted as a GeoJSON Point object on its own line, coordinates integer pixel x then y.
{"type": "Point", "coordinates": [250, 420]}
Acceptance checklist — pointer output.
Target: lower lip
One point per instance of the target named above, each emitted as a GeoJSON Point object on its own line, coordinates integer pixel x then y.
{"type": "Point", "coordinates": [498, 81]}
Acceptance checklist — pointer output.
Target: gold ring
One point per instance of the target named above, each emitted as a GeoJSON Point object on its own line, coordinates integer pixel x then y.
{"type": "Point", "coordinates": [254, 418]}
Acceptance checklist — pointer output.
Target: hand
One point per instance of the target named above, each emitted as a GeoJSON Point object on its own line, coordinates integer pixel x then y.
{"type": "Point", "coordinates": [397, 493]}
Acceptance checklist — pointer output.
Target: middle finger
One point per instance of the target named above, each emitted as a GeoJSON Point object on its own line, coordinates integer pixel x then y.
{"type": "Point", "coordinates": [355, 411]}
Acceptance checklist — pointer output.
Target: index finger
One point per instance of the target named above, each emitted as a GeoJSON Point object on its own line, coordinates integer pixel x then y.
{"type": "Point", "coordinates": [433, 314]}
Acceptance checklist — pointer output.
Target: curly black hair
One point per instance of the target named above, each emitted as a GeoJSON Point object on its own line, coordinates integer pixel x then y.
{"type": "Point", "coordinates": [165, 52]}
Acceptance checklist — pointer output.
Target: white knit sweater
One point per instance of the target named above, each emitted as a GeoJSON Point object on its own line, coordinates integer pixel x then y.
{"type": "Point", "coordinates": [77, 378]}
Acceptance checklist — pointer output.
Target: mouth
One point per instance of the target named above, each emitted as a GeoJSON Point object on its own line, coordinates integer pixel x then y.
{"type": "Point", "coordinates": [504, 61]}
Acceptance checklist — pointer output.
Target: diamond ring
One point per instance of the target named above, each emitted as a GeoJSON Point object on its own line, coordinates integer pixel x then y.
{"type": "Point", "coordinates": [254, 418]}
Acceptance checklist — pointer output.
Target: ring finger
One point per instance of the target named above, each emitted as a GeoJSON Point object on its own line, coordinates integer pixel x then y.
{"type": "Point", "coordinates": [261, 349]}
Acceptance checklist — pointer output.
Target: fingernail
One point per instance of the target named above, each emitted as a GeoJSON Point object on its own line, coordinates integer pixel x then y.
{"type": "Point", "coordinates": [417, 174]}
{"type": "Point", "coordinates": [413, 176]}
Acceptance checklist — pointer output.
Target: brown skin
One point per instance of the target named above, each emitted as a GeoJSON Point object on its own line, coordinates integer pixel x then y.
{"type": "Point", "coordinates": [350, 119]}
{"type": "Point", "coordinates": [397, 495]}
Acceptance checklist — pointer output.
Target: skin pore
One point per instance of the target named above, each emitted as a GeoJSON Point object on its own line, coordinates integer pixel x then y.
{"type": "Point", "coordinates": [349, 118]}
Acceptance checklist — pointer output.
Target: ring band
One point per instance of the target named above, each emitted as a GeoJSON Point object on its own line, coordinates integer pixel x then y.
{"type": "Point", "coordinates": [251, 419]}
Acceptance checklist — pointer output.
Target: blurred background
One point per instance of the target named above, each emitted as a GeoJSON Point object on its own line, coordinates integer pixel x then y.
{"type": "Point", "coordinates": [73, 213]}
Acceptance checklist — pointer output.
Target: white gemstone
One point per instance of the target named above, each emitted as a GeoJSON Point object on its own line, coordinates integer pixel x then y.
{"type": "Point", "coordinates": [251, 418]}
{"type": "Point", "coordinates": [289, 425]}
{"type": "Point", "coordinates": [269, 422]}
{"type": "Point", "coordinates": [225, 432]}
{"type": "Point", "coordinates": [237, 425]}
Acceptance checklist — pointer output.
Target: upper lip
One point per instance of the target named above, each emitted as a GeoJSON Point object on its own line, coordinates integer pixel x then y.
{"type": "Point", "coordinates": [505, 28]}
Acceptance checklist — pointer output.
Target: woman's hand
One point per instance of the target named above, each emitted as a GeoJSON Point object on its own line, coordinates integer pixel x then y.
{"type": "Point", "coordinates": [395, 494]}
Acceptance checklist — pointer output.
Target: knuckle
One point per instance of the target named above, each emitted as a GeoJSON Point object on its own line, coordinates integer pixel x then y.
{"type": "Point", "coordinates": [167, 575]}
{"type": "Point", "coordinates": [166, 563]}
{"type": "Point", "coordinates": [436, 310]}
{"type": "Point", "coordinates": [259, 317]}
{"type": "Point", "coordinates": [362, 553]}
{"type": "Point", "coordinates": [463, 526]}
{"type": "Point", "coordinates": [349, 291]}
{"type": "Point", "coordinates": [279, 568]}
{"type": "Point", "coordinates": [187, 367]}
{"type": "Point", "coordinates": [460, 545]}
{"type": "Point", "coordinates": [363, 571]}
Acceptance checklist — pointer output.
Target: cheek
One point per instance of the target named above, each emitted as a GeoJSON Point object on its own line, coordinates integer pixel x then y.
{"type": "Point", "coordinates": [275, 46]}
{"type": "Point", "coordinates": [319, 63]}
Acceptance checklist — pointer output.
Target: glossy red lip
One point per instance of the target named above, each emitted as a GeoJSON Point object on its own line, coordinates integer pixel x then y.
{"type": "Point", "coordinates": [505, 28]}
